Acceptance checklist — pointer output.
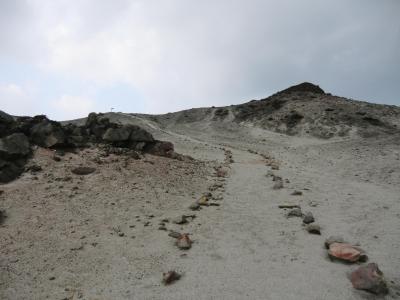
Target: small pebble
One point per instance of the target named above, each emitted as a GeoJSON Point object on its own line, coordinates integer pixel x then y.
{"type": "Point", "coordinates": [308, 218]}
{"type": "Point", "coordinates": [297, 193]}
{"type": "Point", "coordinates": [313, 229]}
{"type": "Point", "coordinates": [170, 277]}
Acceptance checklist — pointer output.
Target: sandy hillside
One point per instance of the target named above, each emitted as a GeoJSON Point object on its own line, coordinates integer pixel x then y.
{"type": "Point", "coordinates": [105, 235]}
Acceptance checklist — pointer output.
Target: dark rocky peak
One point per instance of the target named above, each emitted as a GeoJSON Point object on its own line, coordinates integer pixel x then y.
{"type": "Point", "coordinates": [303, 87]}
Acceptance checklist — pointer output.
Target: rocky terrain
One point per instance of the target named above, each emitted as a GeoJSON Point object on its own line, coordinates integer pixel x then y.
{"type": "Point", "coordinates": [295, 196]}
{"type": "Point", "coordinates": [302, 110]}
{"type": "Point", "coordinates": [19, 134]}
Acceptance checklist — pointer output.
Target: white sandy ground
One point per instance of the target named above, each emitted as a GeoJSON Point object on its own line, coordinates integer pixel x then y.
{"type": "Point", "coordinates": [244, 249]}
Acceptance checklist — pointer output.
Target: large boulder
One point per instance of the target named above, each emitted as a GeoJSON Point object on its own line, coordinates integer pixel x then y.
{"type": "Point", "coordinates": [138, 134]}
{"type": "Point", "coordinates": [6, 123]}
{"type": "Point", "coordinates": [160, 148]}
{"type": "Point", "coordinates": [11, 169]}
{"type": "Point", "coordinates": [5, 118]}
{"type": "Point", "coordinates": [76, 136]}
{"type": "Point", "coordinates": [127, 133]}
{"type": "Point", "coordinates": [14, 150]}
{"type": "Point", "coordinates": [13, 146]}
{"type": "Point", "coordinates": [119, 134]}
{"type": "Point", "coordinates": [47, 134]}
{"type": "Point", "coordinates": [97, 125]}
{"type": "Point", "coordinates": [102, 130]}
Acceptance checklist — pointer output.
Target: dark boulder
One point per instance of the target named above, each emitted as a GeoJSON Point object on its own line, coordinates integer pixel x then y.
{"type": "Point", "coordinates": [160, 148]}
{"type": "Point", "coordinates": [119, 134]}
{"type": "Point", "coordinates": [170, 277]}
{"type": "Point", "coordinates": [47, 134]}
{"type": "Point", "coordinates": [97, 124]}
{"type": "Point", "coordinates": [10, 170]}
{"type": "Point", "coordinates": [76, 136]}
{"type": "Point", "coordinates": [138, 134]}
{"type": "Point", "coordinates": [25, 124]}
{"type": "Point", "coordinates": [14, 150]}
{"type": "Point", "coordinates": [308, 218]}
{"type": "Point", "coordinates": [83, 170]}
{"type": "Point", "coordinates": [130, 136]}
{"type": "Point", "coordinates": [6, 118]}
{"type": "Point", "coordinates": [15, 145]}
{"type": "Point", "coordinates": [6, 124]}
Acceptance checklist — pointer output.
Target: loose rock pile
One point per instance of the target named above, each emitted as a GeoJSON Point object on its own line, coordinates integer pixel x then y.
{"type": "Point", "coordinates": [19, 134]}
{"type": "Point", "coordinates": [183, 240]}
{"type": "Point", "coordinates": [368, 278]}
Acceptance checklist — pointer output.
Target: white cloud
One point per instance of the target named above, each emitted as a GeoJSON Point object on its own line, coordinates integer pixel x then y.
{"type": "Point", "coordinates": [15, 99]}
{"type": "Point", "coordinates": [71, 107]}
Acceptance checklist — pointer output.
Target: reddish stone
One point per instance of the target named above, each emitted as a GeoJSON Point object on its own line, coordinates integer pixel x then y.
{"type": "Point", "coordinates": [184, 242]}
{"type": "Point", "coordinates": [369, 278]}
{"type": "Point", "coordinates": [345, 252]}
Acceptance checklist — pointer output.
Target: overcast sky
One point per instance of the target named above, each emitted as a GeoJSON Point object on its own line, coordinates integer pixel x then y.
{"type": "Point", "coordinates": [66, 58]}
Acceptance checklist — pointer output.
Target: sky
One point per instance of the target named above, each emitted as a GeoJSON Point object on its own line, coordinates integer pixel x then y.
{"type": "Point", "coordinates": [66, 58]}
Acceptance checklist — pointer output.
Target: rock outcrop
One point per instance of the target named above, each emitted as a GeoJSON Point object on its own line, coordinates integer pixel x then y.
{"type": "Point", "coordinates": [14, 151]}
{"type": "Point", "coordinates": [303, 87]}
{"type": "Point", "coordinates": [6, 122]}
{"type": "Point", "coordinates": [18, 134]}
{"type": "Point", "coordinates": [14, 146]}
{"type": "Point", "coordinates": [306, 110]}
{"type": "Point", "coordinates": [47, 134]}
{"type": "Point", "coordinates": [301, 110]}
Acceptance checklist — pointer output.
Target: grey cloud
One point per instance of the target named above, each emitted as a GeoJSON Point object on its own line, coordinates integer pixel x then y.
{"type": "Point", "coordinates": [198, 53]}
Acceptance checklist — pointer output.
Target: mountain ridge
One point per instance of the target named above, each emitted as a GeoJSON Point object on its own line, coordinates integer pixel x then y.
{"type": "Point", "coordinates": [304, 109]}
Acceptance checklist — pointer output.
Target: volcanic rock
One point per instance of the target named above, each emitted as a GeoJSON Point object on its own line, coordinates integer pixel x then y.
{"type": "Point", "coordinates": [83, 170]}
{"type": "Point", "coordinates": [183, 242]}
{"type": "Point", "coordinates": [160, 148]}
{"type": "Point", "coordinates": [369, 278]}
{"type": "Point", "coordinates": [170, 277]}
{"type": "Point", "coordinates": [308, 218]}
{"type": "Point", "coordinates": [6, 123]}
{"type": "Point", "coordinates": [97, 125]}
{"type": "Point", "coordinates": [3, 216]}
{"type": "Point", "coordinates": [313, 229]}
{"type": "Point", "coordinates": [179, 220]}
{"type": "Point", "coordinates": [116, 134]}
{"type": "Point", "coordinates": [138, 134]}
{"type": "Point", "coordinates": [296, 212]}
{"type": "Point", "coordinates": [9, 170]}
{"type": "Point", "coordinates": [303, 87]}
{"type": "Point", "coordinates": [47, 134]}
{"type": "Point", "coordinates": [296, 193]}
{"type": "Point", "coordinates": [346, 252]}
{"type": "Point", "coordinates": [14, 150]}
{"type": "Point", "coordinates": [15, 145]}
